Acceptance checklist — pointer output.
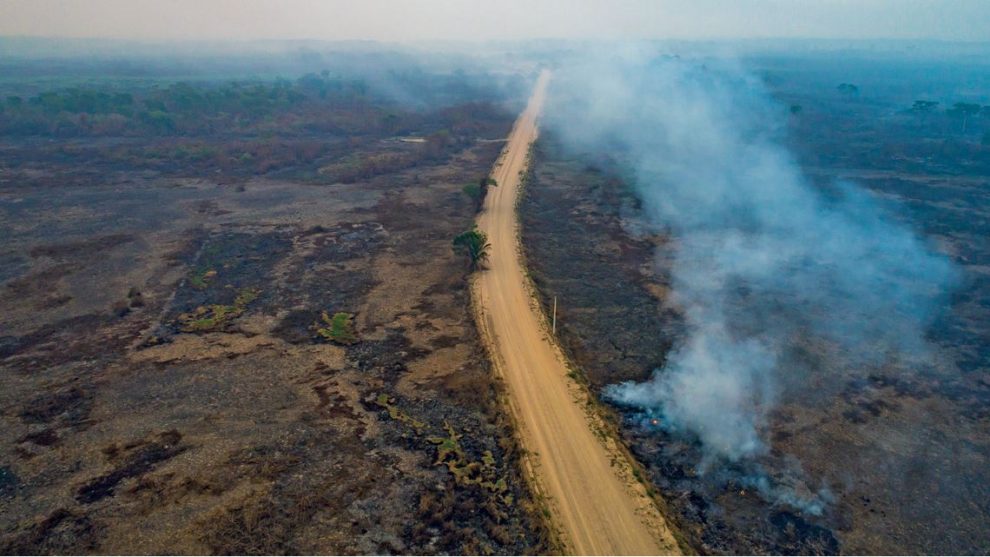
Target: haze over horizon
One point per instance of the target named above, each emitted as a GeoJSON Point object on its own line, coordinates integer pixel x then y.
{"type": "Point", "coordinates": [416, 20]}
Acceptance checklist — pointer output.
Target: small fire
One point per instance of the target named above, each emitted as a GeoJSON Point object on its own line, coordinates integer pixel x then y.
{"type": "Point", "coordinates": [654, 421]}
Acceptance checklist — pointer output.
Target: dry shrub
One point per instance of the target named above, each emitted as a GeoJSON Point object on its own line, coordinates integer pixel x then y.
{"type": "Point", "coordinates": [254, 526]}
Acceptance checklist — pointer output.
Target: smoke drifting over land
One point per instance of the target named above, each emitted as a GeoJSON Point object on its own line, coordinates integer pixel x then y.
{"type": "Point", "coordinates": [766, 265]}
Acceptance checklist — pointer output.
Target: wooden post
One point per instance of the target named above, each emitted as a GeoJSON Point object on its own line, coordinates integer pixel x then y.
{"type": "Point", "coordinates": [554, 315]}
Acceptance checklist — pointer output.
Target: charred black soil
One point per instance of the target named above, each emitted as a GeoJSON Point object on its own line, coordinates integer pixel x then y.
{"type": "Point", "coordinates": [903, 453]}
{"type": "Point", "coordinates": [170, 382]}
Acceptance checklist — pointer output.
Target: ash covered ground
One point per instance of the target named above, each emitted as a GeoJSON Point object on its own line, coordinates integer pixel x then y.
{"type": "Point", "coordinates": [175, 376]}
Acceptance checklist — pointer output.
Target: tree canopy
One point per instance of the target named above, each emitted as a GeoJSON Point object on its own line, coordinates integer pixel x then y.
{"type": "Point", "coordinates": [474, 245]}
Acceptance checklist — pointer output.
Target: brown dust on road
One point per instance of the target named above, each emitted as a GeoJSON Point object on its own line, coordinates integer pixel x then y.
{"type": "Point", "coordinates": [595, 502]}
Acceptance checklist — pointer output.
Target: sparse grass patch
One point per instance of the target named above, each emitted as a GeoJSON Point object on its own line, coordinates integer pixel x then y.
{"type": "Point", "coordinates": [467, 472]}
{"type": "Point", "coordinates": [387, 403]}
{"type": "Point", "coordinates": [202, 277]}
{"type": "Point", "coordinates": [215, 316]}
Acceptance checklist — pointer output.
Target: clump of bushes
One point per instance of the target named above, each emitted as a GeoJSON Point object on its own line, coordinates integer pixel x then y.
{"type": "Point", "coordinates": [477, 192]}
{"type": "Point", "coordinates": [473, 191]}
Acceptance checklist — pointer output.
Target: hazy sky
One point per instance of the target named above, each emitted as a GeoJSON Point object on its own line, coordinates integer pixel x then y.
{"type": "Point", "coordinates": [400, 20]}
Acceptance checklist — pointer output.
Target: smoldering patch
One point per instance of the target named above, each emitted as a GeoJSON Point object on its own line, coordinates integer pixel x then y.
{"type": "Point", "coordinates": [765, 264]}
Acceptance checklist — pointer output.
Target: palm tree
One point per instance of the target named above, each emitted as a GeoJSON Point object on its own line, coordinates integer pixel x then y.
{"type": "Point", "coordinates": [474, 244]}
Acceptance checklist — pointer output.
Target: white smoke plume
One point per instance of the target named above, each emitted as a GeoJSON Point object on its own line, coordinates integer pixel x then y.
{"type": "Point", "coordinates": [763, 258]}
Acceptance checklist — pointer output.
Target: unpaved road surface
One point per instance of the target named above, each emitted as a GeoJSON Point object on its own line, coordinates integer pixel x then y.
{"type": "Point", "coordinates": [597, 505]}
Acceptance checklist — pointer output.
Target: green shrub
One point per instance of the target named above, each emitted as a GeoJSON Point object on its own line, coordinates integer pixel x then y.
{"type": "Point", "coordinates": [339, 328]}
{"type": "Point", "coordinates": [473, 191]}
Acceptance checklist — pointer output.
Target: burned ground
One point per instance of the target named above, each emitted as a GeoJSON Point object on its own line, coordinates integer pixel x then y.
{"type": "Point", "coordinates": [902, 452]}
{"type": "Point", "coordinates": [168, 389]}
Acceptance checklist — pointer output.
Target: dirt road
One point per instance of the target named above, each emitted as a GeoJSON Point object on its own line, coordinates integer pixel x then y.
{"type": "Point", "coordinates": [597, 505]}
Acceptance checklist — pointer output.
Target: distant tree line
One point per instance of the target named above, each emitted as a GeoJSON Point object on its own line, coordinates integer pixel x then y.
{"type": "Point", "coordinates": [312, 104]}
{"type": "Point", "coordinates": [318, 128]}
{"type": "Point", "coordinates": [963, 111]}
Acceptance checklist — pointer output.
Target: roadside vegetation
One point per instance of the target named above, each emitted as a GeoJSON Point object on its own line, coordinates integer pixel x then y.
{"type": "Point", "coordinates": [478, 192]}
{"type": "Point", "coordinates": [473, 244]}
